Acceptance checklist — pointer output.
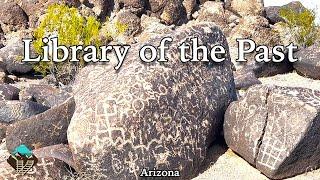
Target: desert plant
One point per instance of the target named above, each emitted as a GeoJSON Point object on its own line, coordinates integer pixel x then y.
{"type": "Point", "coordinates": [71, 28]}
{"type": "Point", "coordinates": [302, 25]}
{"type": "Point", "coordinates": [112, 29]}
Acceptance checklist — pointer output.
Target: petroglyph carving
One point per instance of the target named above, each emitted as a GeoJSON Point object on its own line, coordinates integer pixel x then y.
{"type": "Point", "coordinates": [150, 115]}
{"type": "Point", "coordinates": [276, 129]}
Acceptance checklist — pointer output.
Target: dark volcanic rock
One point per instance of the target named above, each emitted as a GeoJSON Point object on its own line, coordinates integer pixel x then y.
{"type": "Point", "coordinates": [36, 8]}
{"type": "Point", "coordinates": [3, 128]}
{"type": "Point", "coordinates": [271, 68]}
{"type": "Point", "coordinates": [44, 94]}
{"type": "Point", "coordinates": [157, 5]}
{"type": "Point", "coordinates": [264, 69]}
{"type": "Point", "coordinates": [12, 17]}
{"type": "Point", "coordinates": [174, 13]}
{"type": "Point", "coordinates": [276, 129]}
{"type": "Point", "coordinates": [243, 135]}
{"type": "Point", "coordinates": [12, 55]}
{"type": "Point", "coordinates": [46, 168]}
{"type": "Point", "coordinates": [272, 14]}
{"type": "Point", "coordinates": [45, 129]}
{"type": "Point", "coordinates": [131, 20]}
{"type": "Point", "coordinates": [53, 163]}
{"type": "Point", "coordinates": [245, 79]}
{"type": "Point", "coordinates": [100, 7]}
{"type": "Point", "coordinates": [8, 92]}
{"type": "Point", "coordinates": [151, 115]}
{"type": "Point", "coordinates": [61, 152]}
{"type": "Point", "coordinates": [137, 6]}
{"type": "Point", "coordinates": [11, 111]}
{"type": "Point", "coordinates": [295, 6]}
{"type": "Point", "coordinates": [169, 11]}
{"type": "Point", "coordinates": [133, 3]}
{"type": "Point", "coordinates": [309, 62]}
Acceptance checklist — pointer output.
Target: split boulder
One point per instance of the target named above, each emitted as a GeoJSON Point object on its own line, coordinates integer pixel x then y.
{"type": "Point", "coordinates": [276, 129]}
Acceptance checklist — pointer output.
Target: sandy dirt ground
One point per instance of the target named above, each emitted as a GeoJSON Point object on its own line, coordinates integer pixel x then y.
{"type": "Point", "coordinates": [226, 165]}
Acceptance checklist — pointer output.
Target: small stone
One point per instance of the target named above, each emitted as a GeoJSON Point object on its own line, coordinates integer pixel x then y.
{"type": "Point", "coordinates": [3, 77]}
{"type": "Point", "coordinates": [12, 54]}
{"type": "Point", "coordinates": [131, 20]}
{"type": "Point", "coordinates": [174, 13]}
{"type": "Point", "coordinates": [13, 78]}
{"type": "Point", "coordinates": [12, 17]}
{"type": "Point", "coordinates": [8, 92]}
{"type": "Point", "coordinates": [232, 25]}
{"type": "Point", "coordinates": [212, 12]}
{"type": "Point", "coordinates": [190, 6]}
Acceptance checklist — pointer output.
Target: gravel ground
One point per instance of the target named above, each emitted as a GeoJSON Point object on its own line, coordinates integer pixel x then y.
{"type": "Point", "coordinates": [226, 165]}
{"type": "Point", "coordinates": [291, 80]}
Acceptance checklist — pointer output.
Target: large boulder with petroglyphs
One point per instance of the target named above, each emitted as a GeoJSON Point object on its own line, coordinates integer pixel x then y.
{"type": "Point", "coordinates": [162, 116]}
{"type": "Point", "coordinates": [276, 129]}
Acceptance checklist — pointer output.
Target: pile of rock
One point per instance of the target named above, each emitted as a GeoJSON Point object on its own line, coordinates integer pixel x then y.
{"type": "Point", "coordinates": [114, 124]}
{"type": "Point", "coordinates": [32, 117]}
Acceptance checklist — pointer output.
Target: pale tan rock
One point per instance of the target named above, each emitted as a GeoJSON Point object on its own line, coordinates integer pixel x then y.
{"type": "Point", "coordinates": [246, 7]}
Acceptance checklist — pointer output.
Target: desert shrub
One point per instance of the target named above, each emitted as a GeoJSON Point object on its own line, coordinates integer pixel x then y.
{"type": "Point", "coordinates": [71, 28]}
{"type": "Point", "coordinates": [113, 29]}
{"type": "Point", "coordinates": [302, 25]}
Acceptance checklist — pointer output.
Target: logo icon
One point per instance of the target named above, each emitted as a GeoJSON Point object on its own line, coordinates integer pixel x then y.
{"type": "Point", "coordinates": [22, 159]}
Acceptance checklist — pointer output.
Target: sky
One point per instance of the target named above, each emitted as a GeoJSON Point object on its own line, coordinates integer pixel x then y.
{"type": "Point", "coordinates": [311, 4]}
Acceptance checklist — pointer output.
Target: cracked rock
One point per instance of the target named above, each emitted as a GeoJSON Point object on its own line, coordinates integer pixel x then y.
{"type": "Point", "coordinates": [41, 130]}
{"type": "Point", "coordinates": [276, 129]}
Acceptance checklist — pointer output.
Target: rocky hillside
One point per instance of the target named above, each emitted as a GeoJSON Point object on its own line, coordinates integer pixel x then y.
{"type": "Point", "coordinates": [205, 121]}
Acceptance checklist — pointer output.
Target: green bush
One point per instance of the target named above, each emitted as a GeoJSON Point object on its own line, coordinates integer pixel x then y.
{"type": "Point", "coordinates": [72, 29]}
{"type": "Point", "coordinates": [302, 25]}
